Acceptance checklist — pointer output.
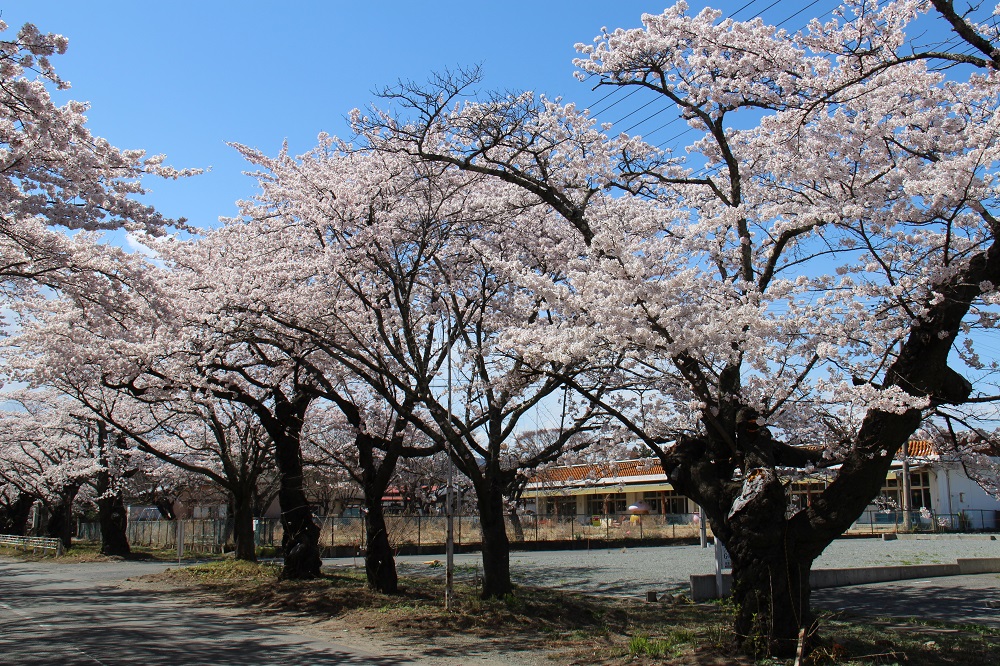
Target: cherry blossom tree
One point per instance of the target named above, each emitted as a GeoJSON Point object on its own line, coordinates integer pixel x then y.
{"type": "Point", "coordinates": [368, 444]}
{"type": "Point", "coordinates": [50, 453]}
{"type": "Point", "coordinates": [138, 367]}
{"type": "Point", "coordinates": [56, 175]}
{"type": "Point", "coordinates": [398, 290]}
{"type": "Point", "coordinates": [819, 261]}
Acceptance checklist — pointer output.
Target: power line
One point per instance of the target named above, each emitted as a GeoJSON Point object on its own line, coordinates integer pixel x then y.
{"type": "Point", "coordinates": [669, 107]}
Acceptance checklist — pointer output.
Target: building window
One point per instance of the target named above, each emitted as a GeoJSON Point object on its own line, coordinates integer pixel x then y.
{"type": "Point", "coordinates": [560, 506]}
{"type": "Point", "coordinates": [920, 490]}
{"type": "Point", "coordinates": [666, 502]}
{"type": "Point", "coordinates": [606, 504]}
{"type": "Point", "coordinates": [801, 493]}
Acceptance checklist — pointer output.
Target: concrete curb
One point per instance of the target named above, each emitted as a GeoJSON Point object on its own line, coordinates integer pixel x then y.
{"type": "Point", "coordinates": [703, 585]}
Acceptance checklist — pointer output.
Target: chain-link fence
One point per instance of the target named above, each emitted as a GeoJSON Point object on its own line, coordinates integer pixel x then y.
{"type": "Point", "coordinates": [429, 531]}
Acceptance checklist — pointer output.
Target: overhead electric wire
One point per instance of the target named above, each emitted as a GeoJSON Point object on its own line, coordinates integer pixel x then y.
{"type": "Point", "coordinates": [669, 107]}
{"type": "Point", "coordinates": [613, 104]}
{"type": "Point", "coordinates": [649, 117]}
{"type": "Point", "coordinates": [814, 2]}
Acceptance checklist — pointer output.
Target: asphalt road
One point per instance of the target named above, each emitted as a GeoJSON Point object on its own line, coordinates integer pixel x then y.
{"type": "Point", "coordinates": [72, 615]}
{"type": "Point", "coordinates": [631, 572]}
{"type": "Point", "coordinates": [950, 599]}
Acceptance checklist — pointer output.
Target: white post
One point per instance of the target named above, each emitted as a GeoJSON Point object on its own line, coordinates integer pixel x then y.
{"type": "Point", "coordinates": [180, 539]}
{"type": "Point", "coordinates": [704, 530]}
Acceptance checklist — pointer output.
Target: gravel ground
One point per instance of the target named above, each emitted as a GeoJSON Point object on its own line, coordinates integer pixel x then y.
{"type": "Point", "coordinates": [633, 571]}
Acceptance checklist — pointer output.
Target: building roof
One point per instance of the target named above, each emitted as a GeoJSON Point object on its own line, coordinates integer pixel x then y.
{"type": "Point", "coordinates": [920, 448]}
{"type": "Point", "coordinates": [632, 471]}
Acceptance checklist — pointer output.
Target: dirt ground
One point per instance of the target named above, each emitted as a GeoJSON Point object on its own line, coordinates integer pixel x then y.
{"type": "Point", "coordinates": [414, 630]}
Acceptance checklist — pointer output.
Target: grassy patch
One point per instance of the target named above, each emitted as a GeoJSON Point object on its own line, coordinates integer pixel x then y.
{"type": "Point", "coordinates": [857, 641]}
{"type": "Point", "coordinates": [86, 551]}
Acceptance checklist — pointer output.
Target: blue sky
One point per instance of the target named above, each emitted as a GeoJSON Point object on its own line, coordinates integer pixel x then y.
{"type": "Point", "coordinates": [184, 77]}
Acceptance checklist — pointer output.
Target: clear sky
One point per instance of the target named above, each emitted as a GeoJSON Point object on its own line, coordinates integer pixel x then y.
{"type": "Point", "coordinates": [185, 77]}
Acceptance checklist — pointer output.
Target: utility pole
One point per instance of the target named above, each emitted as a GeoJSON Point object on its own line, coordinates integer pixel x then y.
{"type": "Point", "coordinates": [449, 548]}
{"type": "Point", "coordinates": [905, 490]}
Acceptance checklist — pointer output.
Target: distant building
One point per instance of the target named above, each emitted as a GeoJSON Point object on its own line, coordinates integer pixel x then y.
{"type": "Point", "coordinates": [942, 496]}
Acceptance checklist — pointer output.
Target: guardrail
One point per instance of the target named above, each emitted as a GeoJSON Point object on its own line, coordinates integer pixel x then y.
{"type": "Point", "coordinates": [34, 544]}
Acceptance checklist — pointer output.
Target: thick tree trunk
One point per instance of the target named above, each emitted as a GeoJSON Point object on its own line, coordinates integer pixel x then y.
{"type": "Point", "coordinates": [300, 541]}
{"type": "Point", "coordinates": [496, 546]}
{"type": "Point", "coordinates": [60, 523]}
{"type": "Point", "coordinates": [113, 518]}
{"type": "Point", "coordinates": [770, 570]}
{"type": "Point", "coordinates": [243, 536]}
{"type": "Point", "coordinates": [771, 591]}
{"type": "Point", "coordinates": [14, 517]}
{"type": "Point", "coordinates": [380, 562]}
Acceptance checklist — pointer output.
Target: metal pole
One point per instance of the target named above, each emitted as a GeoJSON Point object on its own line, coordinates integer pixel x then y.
{"type": "Point", "coordinates": [905, 490]}
{"type": "Point", "coordinates": [704, 530]}
{"type": "Point", "coordinates": [449, 577]}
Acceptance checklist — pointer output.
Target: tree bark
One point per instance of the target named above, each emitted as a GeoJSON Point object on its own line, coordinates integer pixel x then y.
{"type": "Point", "coordinates": [243, 536]}
{"type": "Point", "coordinates": [113, 518]}
{"type": "Point", "coordinates": [300, 533]}
{"type": "Point", "coordinates": [770, 573]}
{"type": "Point", "coordinates": [14, 517]}
{"type": "Point", "coordinates": [300, 538]}
{"type": "Point", "coordinates": [496, 545]}
{"type": "Point", "coordinates": [380, 562]}
{"type": "Point", "coordinates": [515, 523]}
{"type": "Point", "coordinates": [60, 522]}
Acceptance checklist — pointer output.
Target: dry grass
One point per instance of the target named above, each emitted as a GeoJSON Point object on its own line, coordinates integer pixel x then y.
{"type": "Point", "coordinates": [91, 552]}
{"type": "Point", "coordinates": [572, 628]}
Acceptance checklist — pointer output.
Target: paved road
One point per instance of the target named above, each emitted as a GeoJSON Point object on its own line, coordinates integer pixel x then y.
{"type": "Point", "coordinates": [72, 615]}
{"type": "Point", "coordinates": [952, 599]}
{"type": "Point", "coordinates": [632, 571]}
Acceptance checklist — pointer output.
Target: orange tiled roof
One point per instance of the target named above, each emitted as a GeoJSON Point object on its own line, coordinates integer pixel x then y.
{"type": "Point", "coordinates": [919, 448]}
{"type": "Point", "coordinates": [618, 469]}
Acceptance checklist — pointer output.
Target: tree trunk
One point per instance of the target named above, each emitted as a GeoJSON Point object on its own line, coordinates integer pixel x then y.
{"type": "Point", "coordinates": [300, 541]}
{"type": "Point", "coordinates": [515, 523]}
{"type": "Point", "coordinates": [771, 591]}
{"type": "Point", "coordinates": [770, 573]}
{"type": "Point", "coordinates": [14, 517]}
{"type": "Point", "coordinates": [166, 507]}
{"type": "Point", "coordinates": [380, 562]}
{"type": "Point", "coordinates": [496, 546]}
{"type": "Point", "coordinates": [113, 518]}
{"type": "Point", "coordinates": [60, 523]}
{"type": "Point", "coordinates": [243, 536]}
